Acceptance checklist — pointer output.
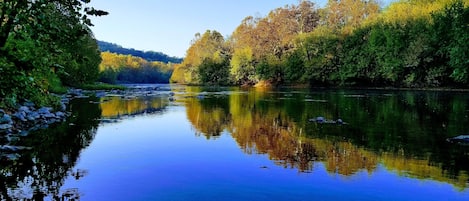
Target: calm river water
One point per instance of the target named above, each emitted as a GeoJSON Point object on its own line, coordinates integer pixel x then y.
{"type": "Point", "coordinates": [248, 144]}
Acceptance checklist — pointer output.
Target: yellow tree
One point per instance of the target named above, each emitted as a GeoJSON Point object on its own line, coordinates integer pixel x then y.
{"type": "Point", "coordinates": [346, 15]}
{"type": "Point", "coordinates": [210, 45]}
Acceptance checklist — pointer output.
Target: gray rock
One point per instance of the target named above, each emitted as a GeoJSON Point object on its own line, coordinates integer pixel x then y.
{"type": "Point", "coordinates": [11, 157]}
{"type": "Point", "coordinates": [44, 110]}
{"type": "Point", "coordinates": [59, 114]}
{"type": "Point", "coordinates": [29, 104]}
{"type": "Point", "coordinates": [8, 148]}
{"type": "Point", "coordinates": [6, 119]}
{"type": "Point", "coordinates": [48, 115]}
{"type": "Point", "coordinates": [100, 94]}
{"type": "Point", "coordinates": [5, 126]}
{"type": "Point", "coordinates": [20, 115]}
{"type": "Point", "coordinates": [34, 115]}
{"type": "Point", "coordinates": [63, 107]}
{"type": "Point", "coordinates": [320, 119]}
{"type": "Point", "coordinates": [75, 92]}
{"type": "Point", "coordinates": [24, 109]}
{"type": "Point", "coordinates": [30, 118]}
{"type": "Point", "coordinates": [461, 139]}
{"type": "Point", "coordinates": [2, 112]}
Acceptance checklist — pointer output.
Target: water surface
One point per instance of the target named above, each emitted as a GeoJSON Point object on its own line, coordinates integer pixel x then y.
{"type": "Point", "coordinates": [249, 144]}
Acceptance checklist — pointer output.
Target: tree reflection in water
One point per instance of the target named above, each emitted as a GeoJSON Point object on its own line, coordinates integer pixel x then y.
{"type": "Point", "coordinates": [39, 171]}
{"type": "Point", "coordinates": [404, 131]}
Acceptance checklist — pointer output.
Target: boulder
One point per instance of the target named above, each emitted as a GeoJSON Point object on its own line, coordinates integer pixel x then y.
{"type": "Point", "coordinates": [44, 110]}
{"type": "Point", "coordinates": [5, 126]}
{"type": "Point", "coordinates": [461, 139]}
{"type": "Point", "coordinates": [23, 109]}
{"type": "Point", "coordinates": [20, 115]}
{"type": "Point", "coordinates": [29, 104]}
{"type": "Point", "coordinates": [6, 119]}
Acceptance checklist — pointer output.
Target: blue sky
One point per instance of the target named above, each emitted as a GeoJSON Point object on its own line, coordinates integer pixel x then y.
{"type": "Point", "coordinates": [168, 26]}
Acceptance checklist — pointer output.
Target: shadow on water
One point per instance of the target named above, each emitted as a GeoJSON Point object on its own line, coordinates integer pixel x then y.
{"type": "Point", "coordinates": [403, 130]}
{"type": "Point", "coordinates": [43, 160]}
{"type": "Point", "coordinates": [47, 157]}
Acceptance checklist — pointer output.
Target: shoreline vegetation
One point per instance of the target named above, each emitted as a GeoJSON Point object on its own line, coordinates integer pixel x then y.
{"type": "Point", "coordinates": [409, 44]}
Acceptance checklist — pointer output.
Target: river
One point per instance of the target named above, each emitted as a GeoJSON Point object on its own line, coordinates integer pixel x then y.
{"type": "Point", "coordinates": [195, 143]}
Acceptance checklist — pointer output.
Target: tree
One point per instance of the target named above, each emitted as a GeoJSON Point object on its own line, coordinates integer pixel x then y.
{"type": "Point", "coordinates": [451, 28]}
{"type": "Point", "coordinates": [38, 39]}
{"type": "Point", "coordinates": [347, 15]}
{"type": "Point", "coordinates": [242, 67]}
{"type": "Point", "coordinates": [207, 46]}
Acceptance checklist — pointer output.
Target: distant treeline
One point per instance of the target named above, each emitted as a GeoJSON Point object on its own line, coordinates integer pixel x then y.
{"type": "Point", "coordinates": [411, 43]}
{"type": "Point", "coordinates": [118, 68]}
{"type": "Point", "coordinates": [147, 55]}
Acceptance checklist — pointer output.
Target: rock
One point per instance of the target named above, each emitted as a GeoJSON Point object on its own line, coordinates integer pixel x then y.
{"type": "Point", "coordinates": [171, 93]}
{"type": "Point", "coordinates": [24, 109]}
{"type": "Point", "coordinates": [20, 115]}
{"type": "Point", "coordinates": [29, 104]}
{"type": "Point", "coordinates": [100, 94]}
{"type": "Point", "coordinates": [11, 157]}
{"type": "Point", "coordinates": [461, 139]}
{"type": "Point", "coordinates": [340, 121]}
{"type": "Point", "coordinates": [59, 114]}
{"type": "Point", "coordinates": [48, 115]}
{"type": "Point", "coordinates": [6, 119]}
{"type": "Point", "coordinates": [44, 110]}
{"type": "Point", "coordinates": [320, 119]}
{"type": "Point", "coordinates": [171, 99]}
{"type": "Point", "coordinates": [63, 107]}
{"type": "Point", "coordinates": [5, 126]}
{"type": "Point", "coordinates": [2, 112]}
{"type": "Point", "coordinates": [8, 148]}
{"type": "Point", "coordinates": [75, 92]}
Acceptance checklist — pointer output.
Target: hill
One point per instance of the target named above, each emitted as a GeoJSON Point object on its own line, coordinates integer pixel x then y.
{"type": "Point", "coordinates": [147, 55]}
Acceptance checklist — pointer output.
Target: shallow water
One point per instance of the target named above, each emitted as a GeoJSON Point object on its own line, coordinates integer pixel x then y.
{"type": "Point", "coordinates": [248, 144]}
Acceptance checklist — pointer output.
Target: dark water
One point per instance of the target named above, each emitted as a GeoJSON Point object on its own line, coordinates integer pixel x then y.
{"type": "Point", "coordinates": [235, 144]}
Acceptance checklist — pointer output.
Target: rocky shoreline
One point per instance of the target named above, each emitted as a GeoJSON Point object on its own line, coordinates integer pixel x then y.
{"type": "Point", "coordinates": [28, 117]}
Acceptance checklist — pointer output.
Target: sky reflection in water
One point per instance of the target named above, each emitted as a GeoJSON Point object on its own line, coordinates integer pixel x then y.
{"type": "Point", "coordinates": [166, 157]}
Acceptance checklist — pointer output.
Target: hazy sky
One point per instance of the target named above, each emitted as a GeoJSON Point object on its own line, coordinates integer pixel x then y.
{"type": "Point", "coordinates": [168, 26]}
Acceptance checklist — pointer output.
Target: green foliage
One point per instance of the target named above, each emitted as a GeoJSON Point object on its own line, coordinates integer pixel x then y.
{"type": "Point", "coordinates": [451, 32]}
{"type": "Point", "coordinates": [347, 43]}
{"type": "Point", "coordinates": [42, 41]}
{"type": "Point", "coordinates": [210, 46]}
{"type": "Point", "coordinates": [147, 55]}
{"type": "Point", "coordinates": [242, 67]}
{"type": "Point", "coordinates": [213, 72]}
{"type": "Point", "coordinates": [320, 61]}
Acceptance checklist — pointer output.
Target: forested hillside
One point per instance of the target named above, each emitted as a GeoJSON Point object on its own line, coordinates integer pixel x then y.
{"type": "Point", "coordinates": [410, 43]}
{"type": "Point", "coordinates": [118, 68]}
{"type": "Point", "coordinates": [43, 46]}
{"type": "Point", "coordinates": [147, 55]}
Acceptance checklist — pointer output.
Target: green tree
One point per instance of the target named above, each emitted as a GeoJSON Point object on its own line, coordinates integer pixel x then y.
{"type": "Point", "coordinates": [242, 67]}
{"type": "Point", "coordinates": [451, 32]}
{"type": "Point", "coordinates": [35, 38]}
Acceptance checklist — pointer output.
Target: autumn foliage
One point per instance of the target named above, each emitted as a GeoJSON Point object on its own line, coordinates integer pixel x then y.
{"type": "Point", "coordinates": [414, 43]}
